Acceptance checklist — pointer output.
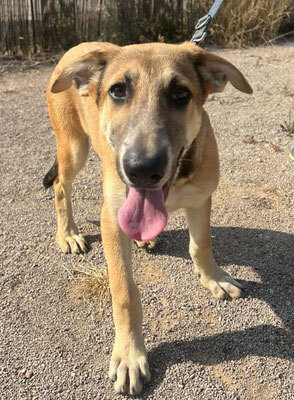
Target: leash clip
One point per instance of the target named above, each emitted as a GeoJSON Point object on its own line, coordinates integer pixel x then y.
{"type": "Point", "coordinates": [203, 23]}
{"type": "Point", "coordinates": [201, 29]}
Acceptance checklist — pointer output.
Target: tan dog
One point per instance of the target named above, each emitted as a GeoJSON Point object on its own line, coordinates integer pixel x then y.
{"type": "Point", "coordinates": [142, 108]}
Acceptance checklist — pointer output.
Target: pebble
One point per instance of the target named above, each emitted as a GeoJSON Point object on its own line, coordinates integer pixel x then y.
{"type": "Point", "coordinates": [28, 374]}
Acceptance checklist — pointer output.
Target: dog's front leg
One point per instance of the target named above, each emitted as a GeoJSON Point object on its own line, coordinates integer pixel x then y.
{"type": "Point", "coordinates": [220, 284]}
{"type": "Point", "coordinates": [129, 360]}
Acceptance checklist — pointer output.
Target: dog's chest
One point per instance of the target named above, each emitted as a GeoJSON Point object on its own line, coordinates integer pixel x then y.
{"type": "Point", "coordinates": [187, 196]}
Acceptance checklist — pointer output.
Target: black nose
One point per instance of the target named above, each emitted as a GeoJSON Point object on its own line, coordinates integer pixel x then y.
{"type": "Point", "coordinates": [144, 170]}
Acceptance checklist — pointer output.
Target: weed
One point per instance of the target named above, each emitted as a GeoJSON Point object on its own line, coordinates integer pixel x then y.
{"type": "Point", "coordinates": [288, 126]}
{"type": "Point", "coordinates": [276, 147]}
{"type": "Point", "coordinates": [262, 202]}
{"type": "Point", "coordinates": [249, 139]}
{"type": "Point", "coordinates": [92, 284]}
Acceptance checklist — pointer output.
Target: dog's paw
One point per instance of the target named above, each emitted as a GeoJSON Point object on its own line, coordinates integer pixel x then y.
{"type": "Point", "coordinates": [73, 243]}
{"type": "Point", "coordinates": [149, 245]}
{"type": "Point", "coordinates": [221, 285]}
{"type": "Point", "coordinates": [128, 368]}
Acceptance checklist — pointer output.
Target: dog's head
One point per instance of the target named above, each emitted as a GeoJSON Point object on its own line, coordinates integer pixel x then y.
{"type": "Point", "coordinates": [149, 99]}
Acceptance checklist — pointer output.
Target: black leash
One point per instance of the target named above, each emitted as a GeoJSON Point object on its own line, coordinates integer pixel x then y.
{"type": "Point", "coordinates": [203, 23]}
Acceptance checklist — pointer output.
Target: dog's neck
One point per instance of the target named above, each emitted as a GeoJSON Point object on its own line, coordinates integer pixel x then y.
{"type": "Point", "coordinates": [192, 158]}
{"type": "Point", "coordinates": [188, 163]}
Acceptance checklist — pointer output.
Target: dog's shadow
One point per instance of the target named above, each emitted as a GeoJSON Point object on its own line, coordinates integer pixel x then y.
{"type": "Point", "coordinates": [261, 341]}
{"type": "Point", "coordinates": [270, 254]}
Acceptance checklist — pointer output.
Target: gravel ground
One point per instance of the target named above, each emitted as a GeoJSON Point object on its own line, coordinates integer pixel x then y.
{"type": "Point", "coordinates": [53, 346]}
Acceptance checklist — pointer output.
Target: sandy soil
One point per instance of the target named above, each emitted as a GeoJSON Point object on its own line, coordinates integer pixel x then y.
{"type": "Point", "coordinates": [55, 347]}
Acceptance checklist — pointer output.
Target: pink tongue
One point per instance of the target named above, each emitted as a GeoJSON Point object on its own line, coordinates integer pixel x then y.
{"type": "Point", "coordinates": [143, 215]}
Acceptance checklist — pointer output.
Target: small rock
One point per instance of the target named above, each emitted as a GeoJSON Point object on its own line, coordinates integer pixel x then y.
{"type": "Point", "coordinates": [28, 374]}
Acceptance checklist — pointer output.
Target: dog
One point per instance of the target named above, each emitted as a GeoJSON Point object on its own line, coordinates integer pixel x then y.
{"type": "Point", "coordinates": [142, 108]}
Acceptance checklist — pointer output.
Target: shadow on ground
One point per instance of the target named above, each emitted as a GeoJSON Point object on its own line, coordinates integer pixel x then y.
{"type": "Point", "coordinates": [270, 253]}
{"type": "Point", "coordinates": [261, 341]}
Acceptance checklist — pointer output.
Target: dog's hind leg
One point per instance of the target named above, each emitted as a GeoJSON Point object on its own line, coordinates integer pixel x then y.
{"type": "Point", "coordinates": [217, 281]}
{"type": "Point", "coordinates": [72, 151]}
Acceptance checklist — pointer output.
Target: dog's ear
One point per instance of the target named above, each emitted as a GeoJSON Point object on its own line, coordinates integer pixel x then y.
{"type": "Point", "coordinates": [82, 72]}
{"type": "Point", "coordinates": [214, 73]}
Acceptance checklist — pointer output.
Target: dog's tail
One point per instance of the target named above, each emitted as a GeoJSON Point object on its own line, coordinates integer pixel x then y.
{"type": "Point", "coordinates": [51, 175]}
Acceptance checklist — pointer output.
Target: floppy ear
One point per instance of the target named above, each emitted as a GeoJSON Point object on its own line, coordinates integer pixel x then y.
{"type": "Point", "coordinates": [85, 70]}
{"type": "Point", "coordinates": [215, 72]}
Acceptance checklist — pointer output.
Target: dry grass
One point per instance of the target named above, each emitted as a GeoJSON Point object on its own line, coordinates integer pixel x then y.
{"type": "Point", "coordinates": [288, 126]}
{"type": "Point", "coordinates": [92, 284]}
{"type": "Point", "coordinates": [242, 23]}
{"type": "Point", "coordinates": [249, 139]}
{"type": "Point", "coordinates": [238, 23]}
{"type": "Point", "coordinates": [248, 22]}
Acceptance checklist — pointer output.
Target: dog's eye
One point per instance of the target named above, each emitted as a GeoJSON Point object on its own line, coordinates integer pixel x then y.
{"type": "Point", "coordinates": [118, 91]}
{"type": "Point", "coordinates": [180, 95]}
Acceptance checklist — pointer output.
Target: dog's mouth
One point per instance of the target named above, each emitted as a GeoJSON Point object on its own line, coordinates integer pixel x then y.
{"type": "Point", "coordinates": [143, 215]}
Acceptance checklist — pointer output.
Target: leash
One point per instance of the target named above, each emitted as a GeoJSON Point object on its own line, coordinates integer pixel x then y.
{"type": "Point", "coordinates": [203, 23]}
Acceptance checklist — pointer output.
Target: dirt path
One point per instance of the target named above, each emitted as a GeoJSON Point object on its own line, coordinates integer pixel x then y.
{"type": "Point", "coordinates": [198, 348]}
